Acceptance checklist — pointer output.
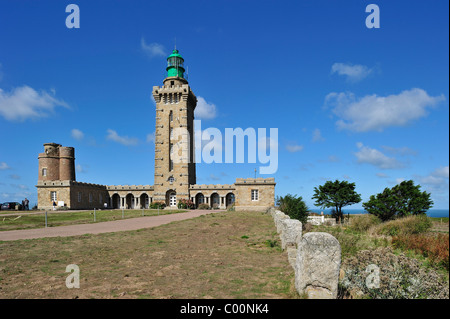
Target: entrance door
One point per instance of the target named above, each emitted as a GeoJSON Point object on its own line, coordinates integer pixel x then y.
{"type": "Point", "coordinates": [172, 199]}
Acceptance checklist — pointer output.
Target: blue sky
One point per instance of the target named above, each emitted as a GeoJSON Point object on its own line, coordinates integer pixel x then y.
{"type": "Point", "coordinates": [370, 106]}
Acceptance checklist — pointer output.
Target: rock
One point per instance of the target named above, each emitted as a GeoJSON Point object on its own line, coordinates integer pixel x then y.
{"type": "Point", "coordinates": [279, 216]}
{"type": "Point", "coordinates": [317, 266]}
{"type": "Point", "coordinates": [291, 232]}
{"type": "Point", "coordinates": [292, 254]}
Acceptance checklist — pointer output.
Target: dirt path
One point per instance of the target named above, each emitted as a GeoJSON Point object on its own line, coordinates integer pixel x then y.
{"type": "Point", "coordinates": [98, 228]}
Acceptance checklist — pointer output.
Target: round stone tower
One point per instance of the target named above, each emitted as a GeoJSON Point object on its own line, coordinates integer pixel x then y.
{"type": "Point", "coordinates": [66, 163]}
{"type": "Point", "coordinates": [49, 162]}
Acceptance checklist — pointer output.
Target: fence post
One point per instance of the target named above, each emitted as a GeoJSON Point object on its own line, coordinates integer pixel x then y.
{"type": "Point", "coordinates": [122, 213]}
{"type": "Point", "coordinates": [45, 219]}
{"type": "Point", "coordinates": [94, 216]}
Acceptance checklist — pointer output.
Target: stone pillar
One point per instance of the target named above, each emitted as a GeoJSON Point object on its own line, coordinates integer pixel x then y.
{"type": "Point", "coordinates": [318, 262]}
{"type": "Point", "coordinates": [136, 202]}
{"type": "Point", "coordinates": [291, 233]}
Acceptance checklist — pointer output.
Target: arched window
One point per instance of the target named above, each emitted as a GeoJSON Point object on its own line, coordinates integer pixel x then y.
{"type": "Point", "coordinates": [171, 116]}
{"type": "Point", "coordinates": [171, 179]}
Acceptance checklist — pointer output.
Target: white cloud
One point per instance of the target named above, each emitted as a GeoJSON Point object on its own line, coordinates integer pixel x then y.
{"type": "Point", "coordinates": [205, 110]}
{"type": "Point", "coordinates": [77, 134]}
{"type": "Point", "coordinates": [124, 140]}
{"type": "Point", "coordinates": [402, 151]}
{"type": "Point", "coordinates": [294, 148]}
{"type": "Point", "coordinates": [26, 103]}
{"type": "Point", "coordinates": [80, 169]}
{"type": "Point", "coordinates": [436, 182]}
{"type": "Point", "coordinates": [3, 166]}
{"type": "Point", "coordinates": [317, 136]}
{"type": "Point", "coordinates": [375, 113]}
{"type": "Point", "coordinates": [151, 137]}
{"type": "Point", "coordinates": [376, 158]}
{"type": "Point", "coordinates": [382, 175]}
{"type": "Point", "coordinates": [441, 172]}
{"type": "Point", "coordinates": [153, 49]}
{"type": "Point", "coordinates": [353, 73]}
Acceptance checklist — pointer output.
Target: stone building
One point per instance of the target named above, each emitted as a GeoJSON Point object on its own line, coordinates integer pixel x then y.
{"type": "Point", "coordinates": [175, 174]}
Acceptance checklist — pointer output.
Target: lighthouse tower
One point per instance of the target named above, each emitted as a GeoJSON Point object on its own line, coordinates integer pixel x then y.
{"type": "Point", "coordinates": [174, 134]}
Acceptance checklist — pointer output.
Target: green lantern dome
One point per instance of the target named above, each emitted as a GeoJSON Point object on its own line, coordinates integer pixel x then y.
{"type": "Point", "coordinates": [175, 65]}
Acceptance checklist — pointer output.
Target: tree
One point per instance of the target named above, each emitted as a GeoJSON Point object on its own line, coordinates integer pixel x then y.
{"type": "Point", "coordinates": [294, 207]}
{"type": "Point", "coordinates": [336, 195]}
{"type": "Point", "coordinates": [402, 200]}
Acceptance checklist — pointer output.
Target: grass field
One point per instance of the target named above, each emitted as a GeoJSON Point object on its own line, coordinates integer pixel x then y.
{"type": "Point", "coordinates": [62, 218]}
{"type": "Point", "coordinates": [221, 255]}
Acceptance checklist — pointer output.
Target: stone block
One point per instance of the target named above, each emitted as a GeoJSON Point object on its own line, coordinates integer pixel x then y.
{"type": "Point", "coordinates": [317, 266]}
{"type": "Point", "coordinates": [291, 232]}
{"type": "Point", "coordinates": [278, 217]}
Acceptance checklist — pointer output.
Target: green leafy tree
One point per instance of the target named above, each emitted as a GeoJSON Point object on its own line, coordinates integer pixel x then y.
{"type": "Point", "coordinates": [402, 200]}
{"type": "Point", "coordinates": [294, 207]}
{"type": "Point", "coordinates": [336, 195]}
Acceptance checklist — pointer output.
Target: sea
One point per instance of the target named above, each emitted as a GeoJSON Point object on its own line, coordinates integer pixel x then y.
{"type": "Point", "coordinates": [430, 213]}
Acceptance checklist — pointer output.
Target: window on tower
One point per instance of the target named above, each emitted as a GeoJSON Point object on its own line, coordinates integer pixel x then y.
{"type": "Point", "coordinates": [255, 195]}
{"type": "Point", "coordinates": [171, 116]}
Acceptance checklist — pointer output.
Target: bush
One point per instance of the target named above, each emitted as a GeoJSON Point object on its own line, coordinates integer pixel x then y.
{"type": "Point", "coordinates": [434, 247]}
{"type": "Point", "coordinates": [404, 226]}
{"type": "Point", "coordinates": [294, 207]}
{"type": "Point", "coordinates": [203, 206]}
{"type": "Point", "coordinates": [404, 199]}
{"type": "Point", "coordinates": [400, 277]}
{"type": "Point", "coordinates": [185, 204]}
{"type": "Point", "coordinates": [363, 223]}
{"type": "Point", "coordinates": [157, 205]}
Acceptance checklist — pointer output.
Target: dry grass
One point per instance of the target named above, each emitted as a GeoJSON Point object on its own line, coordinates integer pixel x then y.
{"type": "Point", "coordinates": [433, 246]}
{"type": "Point", "coordinates": [222, 255]}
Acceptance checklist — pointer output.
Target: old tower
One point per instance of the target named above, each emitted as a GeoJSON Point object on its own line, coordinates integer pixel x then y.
{"type": "Point", "coordinates": [174, 134]}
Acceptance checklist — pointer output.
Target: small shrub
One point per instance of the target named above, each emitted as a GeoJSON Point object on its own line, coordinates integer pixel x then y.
{"type": "Point", "coordinates": [203, 206]}
{"type": "Point", "coordinates": [433, 247]}
{"type": "Point", "coordinates": [272, 243]}
{"type": "Point", "coordinates": [294, 207]}
{"type": "Point", "coordinates": [231, 208]}
{"type": "Point", "coordinates": [157, 205]}
{"type": "Point", "coordinates": [400, 277]}
{"type": "Point", "coordinates": [364, 222]}
{"type": "Point", "coordinates": [185, 204]}
{"type": "Point", "coordinates": [403, 226]}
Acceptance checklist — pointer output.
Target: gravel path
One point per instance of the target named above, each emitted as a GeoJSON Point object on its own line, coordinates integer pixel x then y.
{"type": "Point", "coordinates": [98, 228]}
